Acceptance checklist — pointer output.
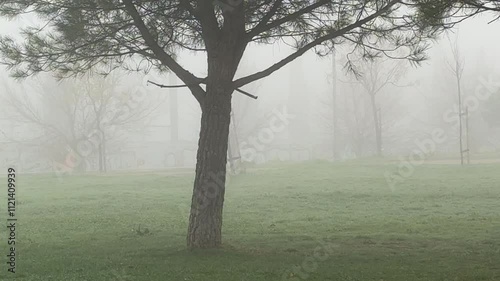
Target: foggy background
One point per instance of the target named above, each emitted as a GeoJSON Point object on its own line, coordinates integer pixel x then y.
{"type": "Point", "coordinates": [44, 121]}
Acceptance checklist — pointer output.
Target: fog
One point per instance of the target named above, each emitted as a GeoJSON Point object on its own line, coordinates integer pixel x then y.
{"type": "Point", "coordinates": [338, 167]}
{"type": "Point", "coordinates": [162, 126]}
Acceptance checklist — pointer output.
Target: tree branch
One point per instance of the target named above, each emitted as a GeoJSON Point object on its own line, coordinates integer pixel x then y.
{"type": "Point", "coordinates": [262, 28]}
{"type": "Point", "coordinates": [259, 75]}
{"type": "Point", "coordinates": [255, 31]}
{"type": "Point", "coordinates": [182, 86]}
{"type": "Point", "coordinates": [165, 58]}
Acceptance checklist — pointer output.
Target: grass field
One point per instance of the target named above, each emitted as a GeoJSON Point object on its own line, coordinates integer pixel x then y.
{"type": "Point", "coordinates": [442, 223]}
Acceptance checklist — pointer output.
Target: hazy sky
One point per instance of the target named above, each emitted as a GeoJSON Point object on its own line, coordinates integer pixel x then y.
{"type": "Point", "coordinates": [478, 41]}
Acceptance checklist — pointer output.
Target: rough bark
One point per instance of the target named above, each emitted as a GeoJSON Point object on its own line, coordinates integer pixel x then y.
{"type": "Point", "coordinates": [205, 220]}
{"type": "Point", "coordinates": [225, 47]}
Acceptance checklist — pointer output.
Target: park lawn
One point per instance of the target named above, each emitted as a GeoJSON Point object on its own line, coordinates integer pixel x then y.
{"type": "Point", "coordinates": [441, 223]}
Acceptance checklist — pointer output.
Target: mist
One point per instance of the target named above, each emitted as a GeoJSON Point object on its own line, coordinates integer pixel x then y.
{"type": "Point", "coordinates": [337, 166]}
{"type": "Point", "coordinates": [411, 105]}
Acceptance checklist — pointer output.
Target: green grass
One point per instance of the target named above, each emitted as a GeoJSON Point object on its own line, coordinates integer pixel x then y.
{"type": "Point", "coordinates": [442, 223]}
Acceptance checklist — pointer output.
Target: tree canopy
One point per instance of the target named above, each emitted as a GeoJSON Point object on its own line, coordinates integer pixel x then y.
{"type": "Point", "coordinates": [75, 36]}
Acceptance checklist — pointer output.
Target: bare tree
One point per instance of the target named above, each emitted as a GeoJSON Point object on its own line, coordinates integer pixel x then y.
{"type": "Point", "coordinates": [357, 120]}
{"type": "Point", "coordinates": [63, 116]}
{"type": "Point", "coordinates": [53, 117]}
{"type": "Point", "coordinates": [456, 67]}
{"type": "Point", "coordinates": [375, 77]}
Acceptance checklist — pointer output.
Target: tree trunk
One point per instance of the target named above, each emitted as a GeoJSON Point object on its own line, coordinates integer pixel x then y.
{"type": "Point", "coordinates": [100, 157]}
{"type": "Point", "coordinates": [224, 52]}
{"type": "Point", "coordinates": [335, 131]}
{"type": "Point", "coordinates": [104, 153]}
{"type": "Point", "coordinates": [205, 220]}
{"type": "Point", "coordinates": [378, 127]}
